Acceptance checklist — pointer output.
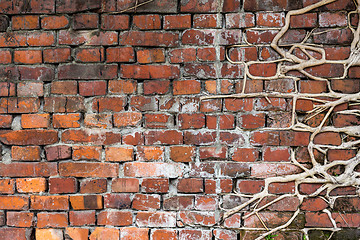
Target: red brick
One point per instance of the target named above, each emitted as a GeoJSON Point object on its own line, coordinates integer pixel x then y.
{"type": "Point", "coordinates": [313, 204]}
{"type": "Point", "coordinates": [182, 153]}
{"type": "Point", "coordinates": [147, 22]}
{"type": "Point", "coordinates": [27, 56]}
{"type": "Point", "coordinates": [270, 19]}
{"type": "Point", "coordinates": [216, 153]}
{"type": "Point", "coordinates": [276, 154]}
{"type": "Point", "coordinates": [205, 203]}
{"type": "Point", "coordinates": [163, 234]}
{"type": "Point", "coordinates": [81, 218]}
{"type": "Point", "coordinates": [14, 233]}
{"type": "Point", "coordinates": [197, 218]}
{"type": "Point", "coordinates": [130, 233]}
{"type": "Point", "coordinates": [260, 36]}
{"type": "Point", "coordinates": [198, 37]}
{"type": "Point", "coordinates": [206, 54]}
{"type": "Point", "coordinates": [336, 36]}
{"type": "Point", "coordinates": [118, 201]}
{"type": "Point", "coordinates": [154, 185]}
{"type": "Point", "coordinates": [66, 6]}
{"type": "Point", "coordinates": [15, 40]}
{"type": "Point", "coordinates": [149, 39]}
{"type": "Point", "coordinates": [152, 169]}
{"type": "Point", "coordinates": [71, 120]}
{"type": "Point", "coordinates": [27, 153]}
{"type": "Point", "coordinates": [30, 89]}
{"type": "Point", "coordinates": [134, 138]}
{"type": "Point", "coordinates": [40, 39]}
{"type": "Point", "coordinates": [317, 220]}
{"type": "Point", "coordinates": [199, 138]}
{"type": "Point", "coordinates": [89, 54]}
{"type": "Point", "coordinates": [64, 87]}
{"type": "Point", "coordinates": [49, 202]}
{"type": "Point", "coordinates": [23, 22]}
{"type": "Point", "coordinates": [42, 169]}
{"type": "Point", "coordinates": [87, 38]}
{"type": "Point", "coordinates": [177, 21]}
{"type": "Point", "coordinates": [187, 234]}
{"type": "Point", "coordinates": [156, 87]}
{"type": "Point", "coordinates": [57, 55]}
{"type": "Point", "coordinates": [156, 219]}
{"type": "Point", "coordinates": [252, 121]}
{"type": "Point", "coordinates": [52, 220]}
{"type": "Point", "coordinates": [93, 186]}
{"type": "Point", "coordinates": [167, 137]}
{"type": "Point", "coordinates": [195, 120]}
{"type": "Point", "coordinates": [146, 202]}
{"type": "Point", "coordinates": [182, 55]}
{"type": "Point", "coordinates": [86, 153]}
{"type": "Point", "coordinates": [83, 136]}
{"type": "Point", "coordinates": [126, 119]}
{"type": "Point", "coordinates": [155, 55]}
{"type": "Point", "coordinates": [92, 88]}
{"type": "Point", "coordinates": [5, 57]}
{"type": "Point", "coordinates": [125, 185]}
{"type": "Point", "coordinates": [29, 137]}
{"type": "Point", "coordinates": [57, 152]}
{"type": "Point", "coordinates": [20, 219]}
{"type": "Point", "coordinates": [265, 170]}
{"type": "Point", "coordinates": [341, 154]}
{"type": "Point", "coordinates": [115, 218]}
{"type": "Point", "coordinates": [307, 20]}
{"type": "Point", "coordinates": [282, 188]}
{"type": "Point", "coordinates": [120, 54]}
{"type": "Point", "coordinates": [240, 20]}
{"type": "Point", "coordinates": [328, 19]}
{"type": "Point", "coordinates": [85, 21]}
{"type": "Point", "coordinates": [182, 87]}
{"type": "Point", "coordinates": [158, 120]}
{"type": "Point", "coordinates": [207, 21]}
{"type": "Point", "coordinates": [69, 169]}
{"type": "Point", "coordinates": [103, 104]}
{"type": "Point", "coordinates": [328, 138]}
{"type": "Point", "coordinates": [62, 185]}
{"type": "Point", "coordinates": [54, 22]}
{"type": "Point", "coordinates": [5, 121]}
{"type": "Point", "coordinates": [114, 22]}
{"type": "Point", "coordinates": [229, 70]}
{"type": "Point", "coordinates": [89, 71]}
{"type": "Point", "coordinates": [178, 203]}
{"type": "Point", "coordinates": [194, 6]}
{"type": "Point", "coordinates": [99, 120]}
{"type": "Point", "coordinates": [250, 186]}
{"type": "Point", "coordinates": [122, 86]}
{"type": "Point", "coordinates": [288, 138]}
{"type": "Point", "coordinates": [245, 154]}
{"type": "Point", "coordinates": [150, 71]}
{"type": "Point", "coordinates": [237, 104]}
{"type": "Point", "coordinates": [190, 185]}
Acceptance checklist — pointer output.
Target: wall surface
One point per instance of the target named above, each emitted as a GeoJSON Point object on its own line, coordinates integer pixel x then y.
{"type": "Point", "coordinates": [120, 122]}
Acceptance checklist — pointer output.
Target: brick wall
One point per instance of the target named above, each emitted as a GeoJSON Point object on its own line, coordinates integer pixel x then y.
{"type": "Point", "coordinates": [104, 135]}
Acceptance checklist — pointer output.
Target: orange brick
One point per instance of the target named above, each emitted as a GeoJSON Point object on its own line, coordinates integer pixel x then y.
{"type": "Point", "coordinates": [7, 186]}
{"type": "Point", "coordinates": [49, 202]}
{"type": "Point", "coordinates": [14, 203]}
{"type": "Point", "coordinates": [48, 234]}
{"type": "Point", "coordinates": [105, 233]}
{"type": "Point", "coordinates": [119, 154]}
{"type": "Point", "coordinates": [86, 202]}
{"type": "Point", "coordinates": [77, 233]}
{"type": "Point", "coordinates": [35, 120]}
{"type": "Point", "coordinates": [130, 233]}
{"type": "Point", "coordinates": [28, 153]}
{"type": "Point", "coordinates": [125, 185]}
{"type": "Point", "coordinates": [29, 185]}
{"type": "Point", "coordinates": [66, 121]}
{"type": "Point", "coordinates": [182, 153]}
{"type": "Point", "coordinates": [86, 153]}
